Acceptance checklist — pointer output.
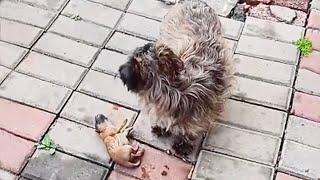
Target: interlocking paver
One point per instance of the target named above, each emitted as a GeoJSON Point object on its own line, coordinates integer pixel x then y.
{"type": "Point", "coordinates": [79, 140]}
{"type": "Point", "coordinates": [314, 19]}
{"type": "Point", "coordinates": [35, 92]}
{"type": "Point", "coordinates": [311, 62]}
{"type": "Point", "coordinates": [53, 5]}
{"type": "Point", "coordinates": [216, 166]}
{"type": "Point", "coordinates": [42, 165]}
{"type": "Point", "coordinates": [260, 69]}
{"type": "Point", "coordinates": [242, 143]}
{"type": "Point", "coordinates": [5, 175]}
{"type": "Point", "coordinates": [301, 5]}
{"type": "Point", "coordinates": [231, 28]}
{"type": "Point", "coordinates": [3, 73]}
{"type": "Point", "coordinates": [261, 92]}
{"type": "Point", "coordinates": [80, 30]}
{"type": "Point", "coordinates": [231, 45]}
{"type": "Point", "coordinates": [142, 131]}
{"type": "Point", "coordinates": [14, 151]}
{"type": "Point", "coordinates": [315, 4]}
{"type": "Point", "coordinates": [314, 36]}
{"type": "Point", "coordinates": [10, 54]}
{"type": "Point", "coordinates": [21, 12]}
{"type": "Point", "coordinates": [300, 159]}
{"type": "Point", "coordinates": [282, 176]}
{"type": "Point", "coordinates": [140, 26]}
{"type": "Point", "coordinates": [306, 106]}
{"type": "Point", "coordinates": [94, 12]}
{"type": "Point", "coordinates": [67, 49]}
{"type": "Point", "coordinates": [18, 33]}
{"type": "Point", "coordinates": [173, 167]}
{"type": "Point", "coordinates": [108, 88]}
{"type": "Point", "coordinates": [83, 108]}
{"type": "Point", "coordinates": [254, 117]}
{"type": "Point", "coordinates": [308, 81]}
{"type": "Point", "coordinates": [51, 69]}
{"type": "Point", "coordinates": [272, 30]}
{"type": "Point", "coordinates": [109, 61]}
{"type": "Point", "coordinates": [303, 131]}
{"type": "Point", "coordinates": [116, 176]}
{"type": "Point", "coordinates": [120, 4]}
{"type": "Point", "coordinates": [150, 8]}
{"type": "Point", "coordinates": [23, 120]}
{"type": "Point", "coordinates": [222, 7]}
{"type": "Point", "coordinates": [267, 49]}
{"type": "Point", "coordinates": [116, 42]}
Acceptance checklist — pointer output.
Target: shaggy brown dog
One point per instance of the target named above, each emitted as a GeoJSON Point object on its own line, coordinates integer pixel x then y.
{"type": "Point", "coordinates": [184, 78]}
{"type": "Point", "coordinates": [117, 143]}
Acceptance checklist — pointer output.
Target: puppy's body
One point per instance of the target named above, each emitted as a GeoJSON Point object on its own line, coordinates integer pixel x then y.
{"type": "Point", "coordinates": [185, 77]}
{"type": "Point", "coordinates": [117, 143]}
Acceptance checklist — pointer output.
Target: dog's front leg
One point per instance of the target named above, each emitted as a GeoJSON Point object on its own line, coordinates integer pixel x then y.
{"type": "Point", "coordinates": [182, 145]}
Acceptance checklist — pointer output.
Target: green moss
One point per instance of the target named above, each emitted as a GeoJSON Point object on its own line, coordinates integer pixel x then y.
{"type": "Point", "coordinates": [304, 45]}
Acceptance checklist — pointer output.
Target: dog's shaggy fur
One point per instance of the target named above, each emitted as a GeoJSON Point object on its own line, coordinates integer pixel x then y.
{"type": "Point", "coordinates": [185, 77]}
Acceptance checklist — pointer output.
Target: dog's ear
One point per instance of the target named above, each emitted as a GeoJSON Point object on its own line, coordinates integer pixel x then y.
{"type": "Point", "coordinates": [169, 63]}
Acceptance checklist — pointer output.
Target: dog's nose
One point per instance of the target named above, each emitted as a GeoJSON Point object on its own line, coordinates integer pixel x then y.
{"type": "Point", "coordinates": [124, 73]}
{"type": "Point", "coordinates": [99, 119]}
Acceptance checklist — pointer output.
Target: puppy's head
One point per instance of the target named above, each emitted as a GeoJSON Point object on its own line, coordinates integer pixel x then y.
{"type": "Point", "coordinates": [146, 63]}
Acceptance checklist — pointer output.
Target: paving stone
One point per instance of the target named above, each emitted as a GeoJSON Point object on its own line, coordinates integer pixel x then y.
{"type": "Point", "coordinates": [142, 132]}
{"type": "Point", "coordinates": [301, 5]}
{"type": "Point", "coordinates": [314, 36]}
{"type": "Point", "coordinates": [21, 12]}
{"type": "Point", "coordinates": [174, 167]}
{"type": "Point", "coordinates": [140, 26]}
{"type": "Point", "coordinates": [272, 30]}
{"type": "Point", "coordinates": [51, 69]}
{"type": "Point", "coordinates": [260, 69]}
{"type": "Point", "coordinates": [283, 14]}
{"type": "Point", "coordinates": [308, 81]}
{"type": "Point", "coordinates": [216, 166]}
{"type": "Point", "coordinates": [18, 33]}
{"type": "Point", "coordinates": [10, 54]}
{"type": "Point", "coordinates": [222, 7]}
{"type": "Point", "coordinates": [254, 117]}
{"type": "Point", "coordinates": [242, 143]}
{"type": "Point", "coordinates": [116, 42]}
{"type": "Point", "coordinates": [109, 61]}
{"type": "Point", "coordinates": [108, 88]}
{"type": "Point", "coordinates": [5, 175]}
{"type": "Point", "coordinates": [14, 151]}
{"type": "Point", "coordinates": [66, 49]}
{"type": "Point", "coordinates": [303, 131]}
{"type": "Point", "coordinates": [231, 28]}
{"type": "Point", "coordinates": [3, 73]}
{"type": "Point", "coordinates": [120, 4]}
{"type": "Point", "coordinates": [232, 45]}
{"type": "Point", "coordinates": [83, 108]}
{"type": "Point", "coordinates": [282, 176]}
{"type": "Point", "coordinates": [23, 120]}
{"type": "Point", "coordinates": [150, 8]}
{"type": "Point", "coordinates": [116, 176]}
{"type": "Point", "coordinates": [311, 62]}
{"type": "Point", "coordinates": [94, 12]}
{"type": "Point", "coordinates": [306, 106]}
{"type": "Point", "coordinates": [263, 93]}
{"type": "Point", "coordinates": [276, 51]}
{"type": "Point", "coordinates": [52, 5]}
{"type": "Point", "coordinates": [314, 19]}
{"type": "Point", "coordinates": [39, 93]}
{"type": "Point", "coordinates": [300, 159]}
{"type": "Point", "coordinates": [44, 166]}
{"type": "Point", "coordinates": [68, 136]}
{"type": "Point", "coordinates": [80, 30]}
{"type": "Point", "coordinates": [315, 4]}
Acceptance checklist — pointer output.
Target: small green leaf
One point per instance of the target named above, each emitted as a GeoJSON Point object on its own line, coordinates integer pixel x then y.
{"type": "Point", "coordinates": [52, 151]}
{"type": "Point", "coordinates": [41, 146]}
{"type": "Point", "coordinates": [305, 46]}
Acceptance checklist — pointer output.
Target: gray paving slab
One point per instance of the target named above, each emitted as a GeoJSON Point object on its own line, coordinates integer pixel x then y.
{"type": "Point", "coordinates": [231, 28]}
{"type": "Point", "coordinates": [5, 175]}
{"type": "Point", "coordinates": [222, 7]}
{"type": "Point", "coordinates": [51, 5]}
{"type": "Point", "coordinates": [120, 4]}
{"type": "Point", "coordinates": [308, 81]}
{"type": "Point", "coordinates": [3, 72]}
{"type": "Point", "coordinates": [109, 61]}
{"type": "Point", "coordinates": [10, 54]}
{"type": "Point", "coordinates": [150, 8]}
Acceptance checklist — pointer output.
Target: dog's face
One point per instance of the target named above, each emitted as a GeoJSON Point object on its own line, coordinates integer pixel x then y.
{"type": "Point", "coordinates": [146, 63]}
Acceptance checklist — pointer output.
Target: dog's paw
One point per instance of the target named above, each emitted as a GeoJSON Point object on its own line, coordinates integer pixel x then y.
{"type": "Point", "coordinates": [160, 131]}
{"type": "Point", "coordinates": [100, 120]}
{"type": "Point", "coordinates": [182, 147]}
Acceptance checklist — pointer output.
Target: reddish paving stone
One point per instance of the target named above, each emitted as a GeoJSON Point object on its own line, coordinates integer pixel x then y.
{"type": "Point", "coordinates": [306, 106]}
{"type": "Point", "coordinates": [312, 62]}
{"type": "Point", "coordinates": [155, 163]}
{"type": "Point", "coordinates": [23, 120]}
{"type": "Point", "coordinates": [314, 19]}
{"type": "Point", "coordinates": [14, 151]}
{"type": "Point", "coordinates": [295, 4]}
{"type": "Point", "coordinates": [314, 36]}
{"type": "Point", "coordinates": [117, 176]}
{"type": "Point", "coordinates": [282, 176]}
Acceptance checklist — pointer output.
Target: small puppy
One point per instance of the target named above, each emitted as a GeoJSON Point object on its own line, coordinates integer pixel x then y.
{"type": "Point", "coordinates": [117, 143]}
{"type": "Point", "coordinates": [184, 78]}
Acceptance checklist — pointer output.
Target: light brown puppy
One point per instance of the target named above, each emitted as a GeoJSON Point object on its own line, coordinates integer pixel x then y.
{"type": "Point", "coordinates": [117, 143]}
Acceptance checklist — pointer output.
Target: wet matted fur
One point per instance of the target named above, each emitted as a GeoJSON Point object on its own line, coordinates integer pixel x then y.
{"type": "Point", "coordinates": [184, 78]}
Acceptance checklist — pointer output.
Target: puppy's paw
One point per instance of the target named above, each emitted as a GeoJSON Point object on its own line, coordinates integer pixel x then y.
{"type": "Point", "coordinates": [160, 131]}
{"type": "Point", "coordinates": [100, 122]}
{"type": "Point", "coordinates": [182, 147]}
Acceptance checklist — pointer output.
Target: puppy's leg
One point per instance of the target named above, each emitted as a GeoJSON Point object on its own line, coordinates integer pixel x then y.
{"type": "Point", "coordinates": [182, 145]}
{"type": "Point", "coordinates": [123, 156]}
